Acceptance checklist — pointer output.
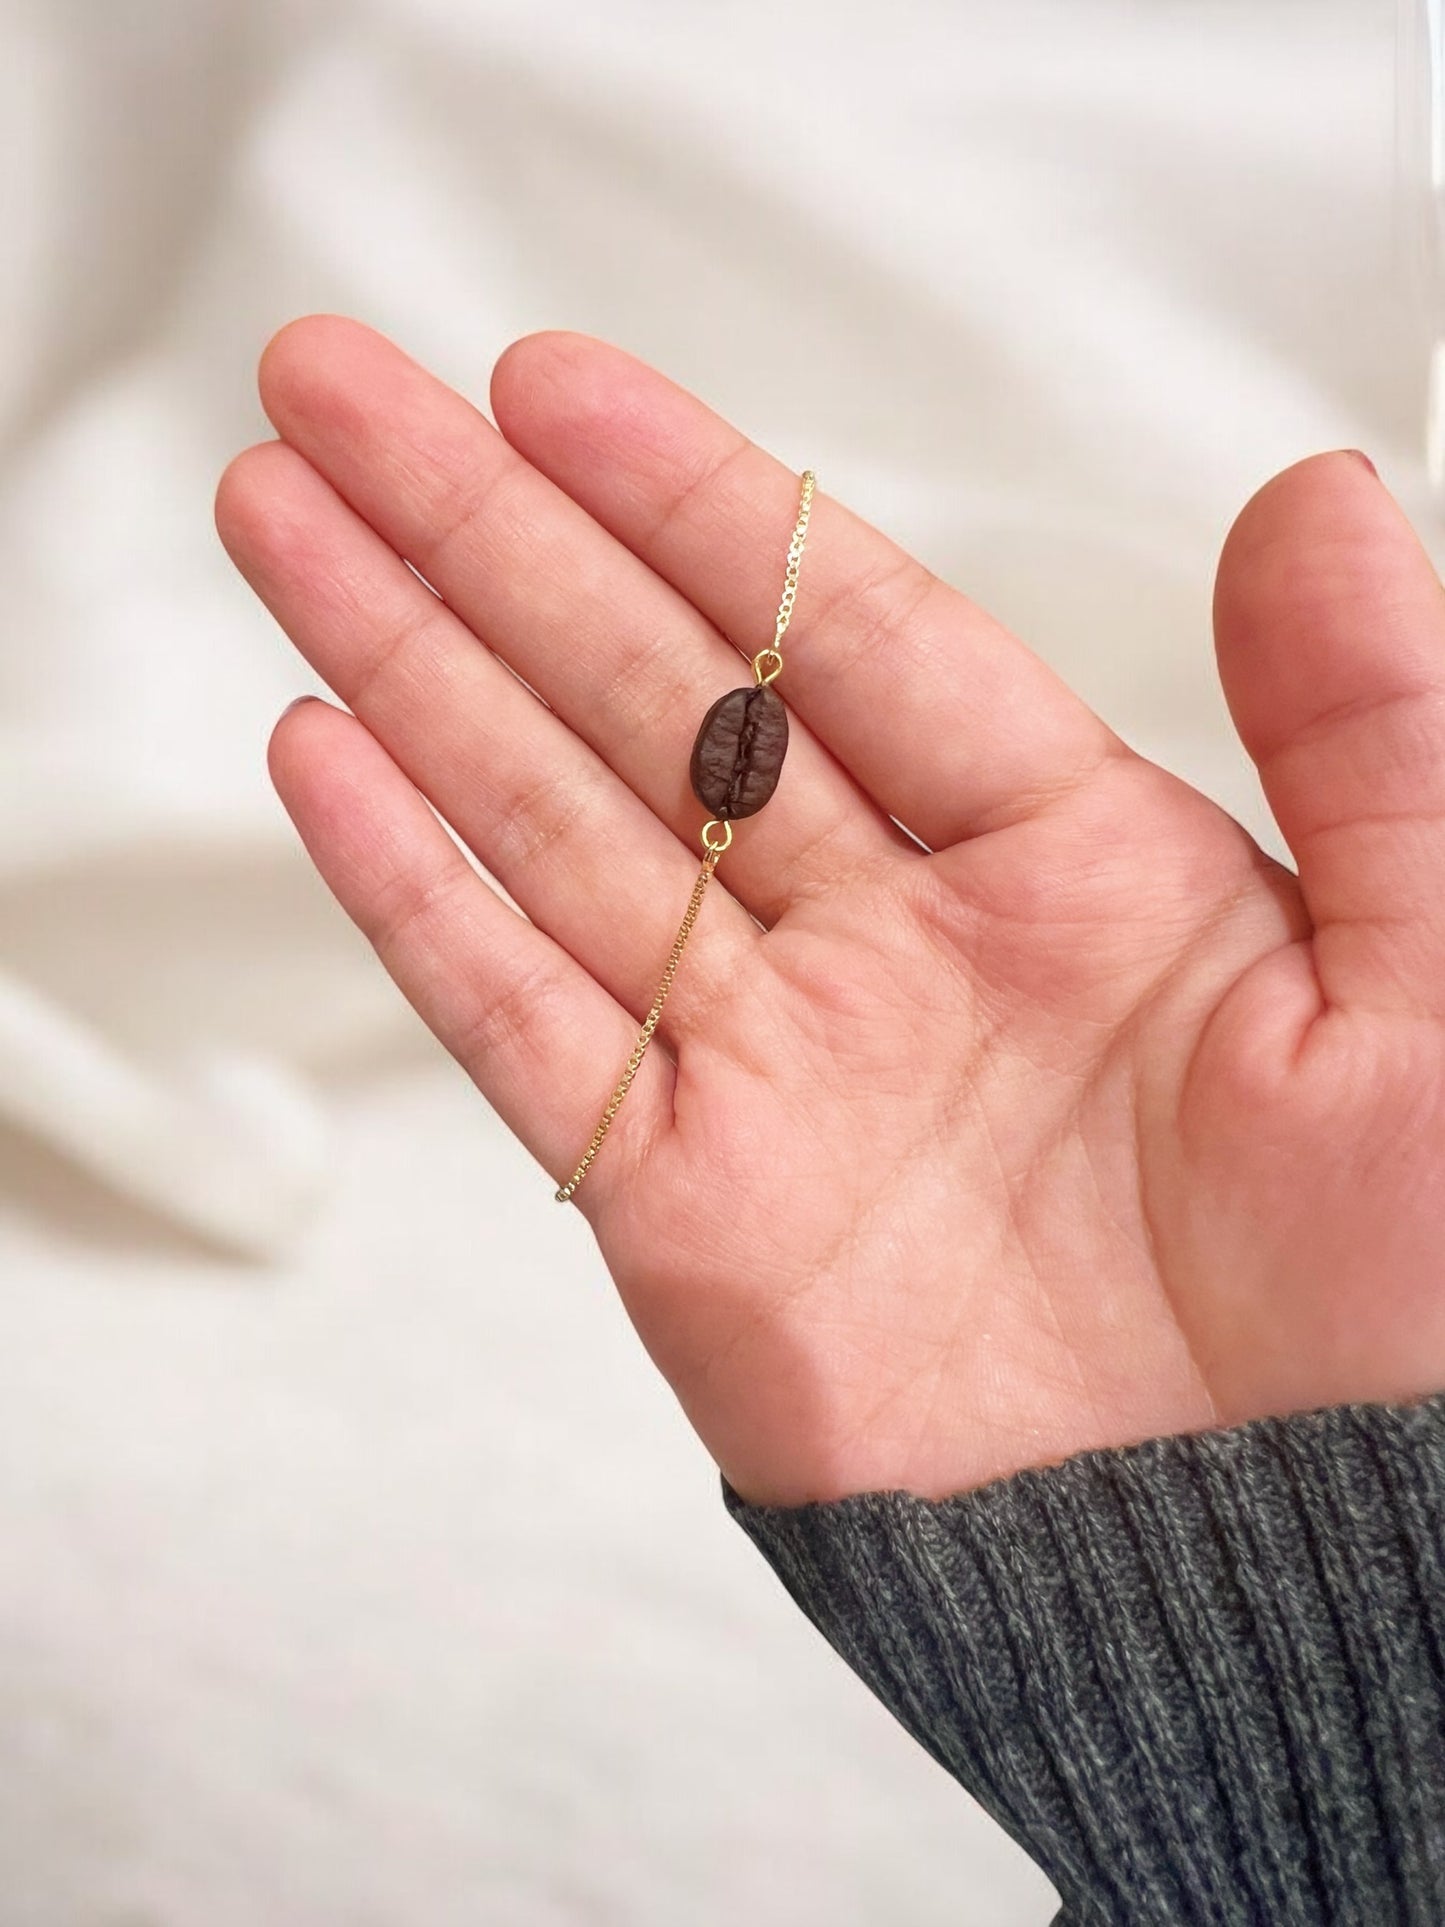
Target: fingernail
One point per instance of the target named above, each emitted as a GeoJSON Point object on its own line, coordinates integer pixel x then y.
{"type": "Point", "coordinates": [296, 702]}
{"type": "Point", "coordinates": [1360, 456]}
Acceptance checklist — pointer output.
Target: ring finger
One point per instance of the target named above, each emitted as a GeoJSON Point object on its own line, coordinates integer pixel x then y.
{"type": "Point", "coordinates": [541, 810]}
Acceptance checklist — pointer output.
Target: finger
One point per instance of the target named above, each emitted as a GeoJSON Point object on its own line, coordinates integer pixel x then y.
{"type": "Point", "coordinates": [542, 811]}
{"type": "Point", "coordinates": [1330, 631]}
{"type": "Point", "coordinates": [540, 1038]}
{"type": "Point", "coordinates": [944, 718]}
{"type": "Point", "coordinates": [622, 658]}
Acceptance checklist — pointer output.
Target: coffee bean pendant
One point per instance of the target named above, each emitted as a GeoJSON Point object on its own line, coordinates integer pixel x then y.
{"type": "Point", "coordinates": [738, 755]}
{"type": "Point", "coordinates": [736, 761]}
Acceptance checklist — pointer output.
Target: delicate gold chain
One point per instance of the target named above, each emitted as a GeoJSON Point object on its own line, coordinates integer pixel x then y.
{"type": "Point", "coordinates": [639, 1049]}
{"type": "Point", "coordinates": [795, 557]}
{"type": "Point", "coordinates": [716, 838]}
{"type": "Point", "coordinates": [774, 653]}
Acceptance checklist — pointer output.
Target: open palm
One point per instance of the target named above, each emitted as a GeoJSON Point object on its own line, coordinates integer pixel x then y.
{"type": "Point", "coordinates": [1083, 1123]}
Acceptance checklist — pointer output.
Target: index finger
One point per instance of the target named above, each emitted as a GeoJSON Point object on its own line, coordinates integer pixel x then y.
{"type": "Point", "coordinates": [949, 722]}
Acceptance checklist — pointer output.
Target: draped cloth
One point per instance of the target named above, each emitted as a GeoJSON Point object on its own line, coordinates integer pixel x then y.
{"type": "Point", "coordinates": [305, 1386]}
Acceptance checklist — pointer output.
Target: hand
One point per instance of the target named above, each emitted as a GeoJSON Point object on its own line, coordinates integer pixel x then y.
{"type": "Point", "coordinates": [1093, 1124]}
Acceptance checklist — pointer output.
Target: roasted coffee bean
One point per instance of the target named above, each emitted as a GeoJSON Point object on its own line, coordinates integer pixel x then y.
{"type": "Point", "coordinates": [739, 752]}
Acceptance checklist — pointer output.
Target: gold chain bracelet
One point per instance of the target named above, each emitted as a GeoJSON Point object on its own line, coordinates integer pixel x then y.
{"type": "Point", "coordinates": [736, 761]}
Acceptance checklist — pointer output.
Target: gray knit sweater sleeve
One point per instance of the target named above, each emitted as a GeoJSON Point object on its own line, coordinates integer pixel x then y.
{"type": "Point", "coordinates": [1200, 1680]}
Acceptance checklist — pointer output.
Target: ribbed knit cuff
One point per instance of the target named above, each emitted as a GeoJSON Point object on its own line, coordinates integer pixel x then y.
{"type": "Point", "coordinates": [1200, 1680]}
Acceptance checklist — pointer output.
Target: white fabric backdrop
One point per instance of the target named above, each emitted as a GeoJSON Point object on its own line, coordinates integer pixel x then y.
{"type": "Point", "coordinates": [375, 1580]}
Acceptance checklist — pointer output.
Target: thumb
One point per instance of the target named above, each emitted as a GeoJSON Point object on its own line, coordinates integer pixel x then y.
{"type": "Point", "coordinates": [1329, 626]}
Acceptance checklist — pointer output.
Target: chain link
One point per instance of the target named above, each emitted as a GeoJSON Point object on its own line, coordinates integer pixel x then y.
{"type": "Point", "coordinates": [716, 838]}
{"type": "Point", "coordinates": [639, 1049]}
{"type": "Point", "coordinates": [795, 557]}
